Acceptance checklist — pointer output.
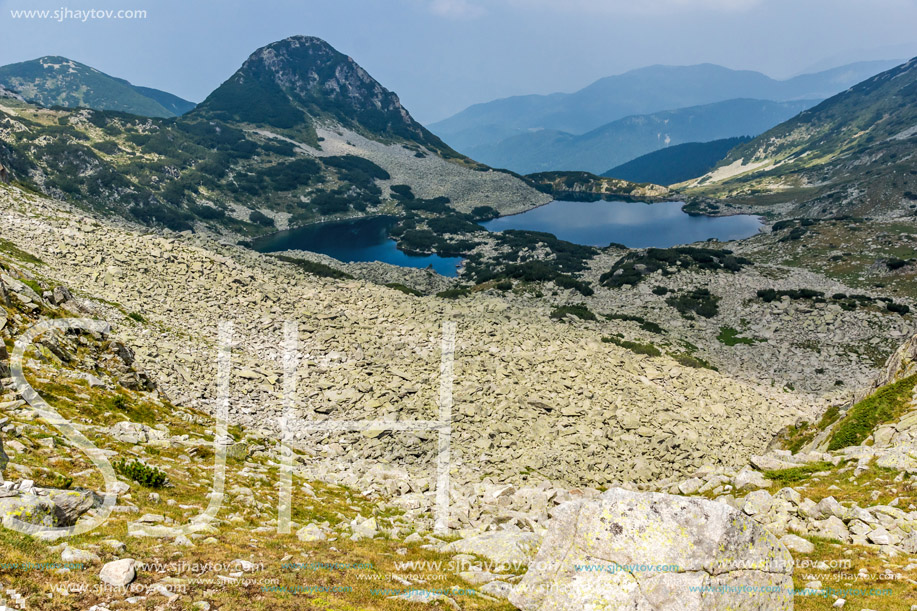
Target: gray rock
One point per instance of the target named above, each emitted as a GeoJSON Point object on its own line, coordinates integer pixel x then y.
{"type": "Point", "coordinates": [797, 544]}
{"type": "Point", "coordinates": [711, 544]}
{"type": "Point", "coordinates": [749, 478]}
{"type": "Point", "coordinates": [72, 504]}
{"type": "Point", "coordinates": [311, 532]}
{"type": "Point", "coordinates": [757, 502]}
{"type": "Point", "coordinates": [38, 511]}
{"type": "Point", "coordinates": [119, 573]}
{"type": "Point", "coordinates": [73, 554]}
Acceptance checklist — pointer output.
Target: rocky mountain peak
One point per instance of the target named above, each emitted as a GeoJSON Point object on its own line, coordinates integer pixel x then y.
{"type": "Point", "coordinates": [298, 80]}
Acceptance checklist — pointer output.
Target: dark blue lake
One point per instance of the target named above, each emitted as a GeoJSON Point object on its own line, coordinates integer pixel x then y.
{"type": "Point", "coordinates": [633, 224]}
{"type": "Point", "coordinates": [363, 239]}
{"type": "Point", "coordinates": [600, 223]}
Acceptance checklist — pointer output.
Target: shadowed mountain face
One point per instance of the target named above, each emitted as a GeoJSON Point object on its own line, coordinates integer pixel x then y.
{"type": "Point", "coordinates": [291, 83]}
{"type": "Point", "coordinates": [677, 163]}
{"type": "Point", "coordinates": [851, 153]}
{"type": "Point", "coordinates": [58, 81]}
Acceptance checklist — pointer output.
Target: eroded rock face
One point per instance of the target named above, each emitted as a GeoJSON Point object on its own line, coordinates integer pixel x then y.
{"type": "Point", "coordinates": [655, 552]}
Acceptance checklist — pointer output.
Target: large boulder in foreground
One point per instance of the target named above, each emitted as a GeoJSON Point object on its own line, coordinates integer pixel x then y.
{"type": "Point", "coordinates": [655, 552]}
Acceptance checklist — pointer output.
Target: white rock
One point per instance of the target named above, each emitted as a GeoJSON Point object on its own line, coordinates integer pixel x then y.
{"type": "Point", "coordinates": [119, 573]}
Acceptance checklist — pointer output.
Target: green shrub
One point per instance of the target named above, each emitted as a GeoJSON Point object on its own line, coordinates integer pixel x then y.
{"type": "Point", "coordinates": [136, 316]}
{"type": "Point", "coordinates": [579, 310]}
{"type": "Point", "coordinates": [504, 285]}
{"type": "Point", "coordinates": [259, 218]}
{"type": "Point", "coordinates": [484, 213]}
{"type": "Point", "coordinates": [454, 293]}
{"type": "Point", "coordinates": [151, 477]}
{"type": "Point", "coordinates": [315, 268]}
{"type": "Point", "coordinates": [646, 325]}
{"type": "Point", "coordinates": [883, 406]}
{"type": "Point", "coordinates": [119, 402]}
{"type": "Point", "coordinates": [404, 289]}
{"type": "Point", "coordinates": [402, 192]}
{"type": "Point", "coordinates": [699, 301]}
{"type": "Point", "coordinates": [352, 163]}
{"type": "Point", "coordinates": [633, 267]}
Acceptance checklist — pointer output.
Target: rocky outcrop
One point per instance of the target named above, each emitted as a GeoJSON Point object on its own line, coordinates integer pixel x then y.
{"type": "Point", "coordinates": [42, 507]}
{"type": "Point", "coordinates": [901, 364]}
{"type": "Point", "coordinates": [655, 552]}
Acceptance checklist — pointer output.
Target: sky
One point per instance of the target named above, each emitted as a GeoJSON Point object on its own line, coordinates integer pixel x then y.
{"type": "Point", "coordinates": [441, 56]}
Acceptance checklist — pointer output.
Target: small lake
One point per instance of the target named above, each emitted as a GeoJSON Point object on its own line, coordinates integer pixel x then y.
{"type": "Point", "coordinates": [634, 224]}
{"type": "Point", "coordinates": [355, 240]}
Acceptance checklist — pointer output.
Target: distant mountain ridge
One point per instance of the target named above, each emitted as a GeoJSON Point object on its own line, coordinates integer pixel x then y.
{"type": "Point", "coordinates": [625, 139]}
{"type": "Point", "coordinates": [675, 164]}
{"type": "Point", "coordinates": [58, 81]}
{"type": "Point", "coordinates": [642, 91]}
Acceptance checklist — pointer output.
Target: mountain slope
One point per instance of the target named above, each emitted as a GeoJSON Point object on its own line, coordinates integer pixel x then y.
{"type": "Point", "coordinates": [299, 134]}
{"type": "Point", "coordinates": [58, 81]}
{"type": "Point", "coordinates": [172, 103]}
{"type": "Point", "coordinates": [628, 138]}
{"type": "Point", "coordinates": [643, 91]}
{"type": "Point", "coordinates": [853, 152]}
{"type": "Point", "coordinates": [678, 163]}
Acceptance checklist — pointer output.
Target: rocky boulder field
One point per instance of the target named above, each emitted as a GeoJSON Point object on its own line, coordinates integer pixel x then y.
{"type": "Point", "coordinates": [583, 475]}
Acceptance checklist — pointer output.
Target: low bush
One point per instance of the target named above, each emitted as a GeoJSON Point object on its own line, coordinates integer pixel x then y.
{"type": "Point", "coordinates": [315, 268]}
{"type": "Point", "coordinates": [454, 293]}
{"type": "Point", "coordinates": [579, 310]}
{"type": "Point", "coordinates": [635, 347]}
{"type": "Point", "coordinates": [698, 301]}
{"type": "Point", "coordinates": [151, 477]}
{"type": "Point", "coordinates": [404, 289]}
{"type": "Point", "coordinates": [645, 324]}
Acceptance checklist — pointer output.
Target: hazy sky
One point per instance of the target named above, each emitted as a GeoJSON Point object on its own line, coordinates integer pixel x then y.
{"type": "Point", "coordinates": [442, 55]}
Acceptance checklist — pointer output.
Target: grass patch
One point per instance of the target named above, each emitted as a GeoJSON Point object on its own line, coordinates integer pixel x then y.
{"type": "Point", "coordinates": [797, 474]}
{"type": "Point", "coordinates": [885, 405]}
{"type": "Point", "coordinates": [799, 436]}
{"type": "Point", "coordinates": [689, 360]}
{"type": "Point", "coordinates": [14, 251]}
{"type": "Point", "coordinates": [731, 337]}
{"type": "Point", "coordinates": [635, 347]}
{"type": "Point", "coordinates": [136, 316]}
